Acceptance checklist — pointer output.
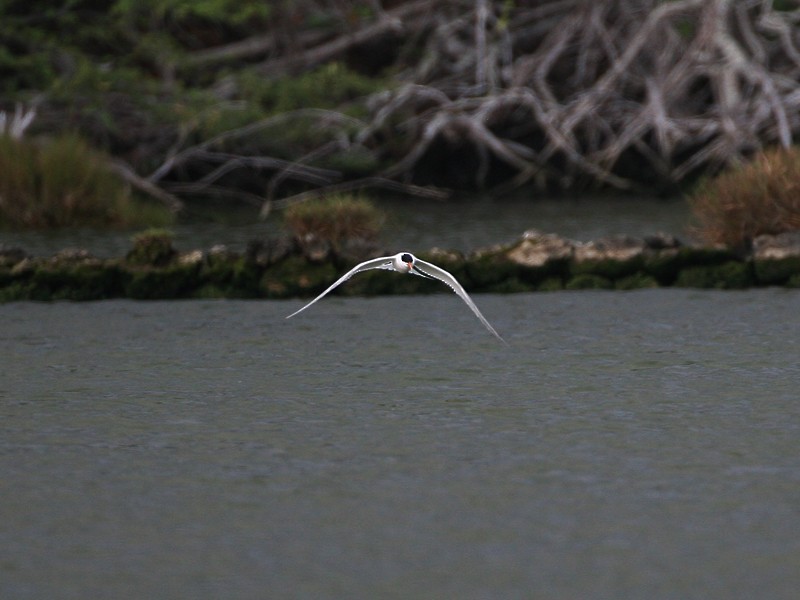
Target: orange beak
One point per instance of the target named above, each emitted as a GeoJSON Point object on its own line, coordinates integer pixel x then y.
{"type": "Point", "coordinates": [410, 266]}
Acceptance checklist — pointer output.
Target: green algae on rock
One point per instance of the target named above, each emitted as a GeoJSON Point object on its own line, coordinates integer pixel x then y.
{"type": "Point", "coordinates": [280, 268]}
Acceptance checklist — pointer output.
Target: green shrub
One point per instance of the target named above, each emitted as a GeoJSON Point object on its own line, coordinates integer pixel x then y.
{"type": "Point", "coordinates": [63, 183]}
{"type": "Point", "coordinates": [335, 219]}
{"type": "Point", "coordinates": [760, 197]}
{"type": "Point", "coordinates": [152, 248]}
{"type": "Point", "coordinates": [587, 281]}
{"type": "Point", "coordinates": [329, 86]}
{"type": "Point", "coordinates": [732, 275]}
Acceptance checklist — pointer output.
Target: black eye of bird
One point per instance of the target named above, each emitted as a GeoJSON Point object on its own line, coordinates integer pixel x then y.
{"type": "Point", "coordinates": [407, 258]}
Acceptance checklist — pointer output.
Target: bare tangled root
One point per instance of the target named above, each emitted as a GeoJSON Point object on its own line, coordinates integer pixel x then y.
{"type": "Point", "coordinates": [567, 89]}
{"type": "Point", "coordinates": [555, 93]}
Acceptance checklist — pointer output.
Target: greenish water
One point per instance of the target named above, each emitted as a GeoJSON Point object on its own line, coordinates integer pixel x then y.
{"type": "Point", "coordinates": [625, 445]}
{"type": "Point", "coordinates": [412, 224]}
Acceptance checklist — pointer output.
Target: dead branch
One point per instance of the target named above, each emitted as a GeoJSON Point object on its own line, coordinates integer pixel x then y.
{"type": "Point", "coordinates": [145, 186]}
{"type": "Point", "coordinates": [616, 93]}
{"type": "Point", "coordinates": [647, 87]}
{"type": "Point", "coordinates": [325, 118]}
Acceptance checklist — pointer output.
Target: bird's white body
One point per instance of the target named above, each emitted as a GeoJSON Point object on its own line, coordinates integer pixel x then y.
{"type": "Point", "coordinates": [405, 262]}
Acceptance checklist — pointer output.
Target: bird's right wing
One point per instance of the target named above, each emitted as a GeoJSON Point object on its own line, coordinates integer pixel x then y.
{"type": "Point", "coordinates": [435, 272]}
{"type": "Point", "coordinates": [384, 262]}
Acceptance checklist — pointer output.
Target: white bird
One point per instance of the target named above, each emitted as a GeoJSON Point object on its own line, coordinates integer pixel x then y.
{"type": "Point", "coordinates": [405, 262]}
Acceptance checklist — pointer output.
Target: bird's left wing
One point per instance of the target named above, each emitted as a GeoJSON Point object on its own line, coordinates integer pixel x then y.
{"type": "Point", "coordinates": [445, 277]}
{"type": "Point", "coordinates": [384, 262]}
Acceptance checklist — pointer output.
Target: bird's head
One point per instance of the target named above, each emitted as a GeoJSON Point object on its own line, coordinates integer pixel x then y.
{"type": "Point", "coordinates": [404, 262]}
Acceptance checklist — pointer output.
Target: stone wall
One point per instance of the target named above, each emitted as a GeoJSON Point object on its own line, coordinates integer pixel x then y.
{"type": "Point", "coordinates": [282, 268]}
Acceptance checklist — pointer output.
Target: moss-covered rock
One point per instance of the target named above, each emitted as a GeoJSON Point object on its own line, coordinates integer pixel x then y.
{"type": "Point", "coordinates": [551, 284]}
{"type": "Point", "coordinates": [173, 281]}
{"type": "Point", "coordinates": [636, 281]}
{"type": "Point", "coordinates": [486, 269]}
{"type": "Point", "coordinates": [5, 277]}
{"type": "Point", "coordinates": [220, 273]}
{"type": "Point", "coordinates": [588, 281]}
{"type": "Point", "coordinates": [450, 261]}
{"type": "Point", "coordinates": [10, 256]}
{"type": "Point", "coordinates": [245, 278]}
{"type": "Point", "coordinates": [296, 276]}
{"type": "Point", "coordinates": [15, 291]}
{"type": "Point", "coordinates": [666, 264]}
{"type": "Point", "coordinates": [269, 251]}
{"type": "Point", "coordinates": [776, 258]}
{"type": "Point", "coordinates": [90, 281]}
{"type": "Point", "coordinates": [540, 256]}
{"type": "Point", "coordinates": [729, 276]}
{"type": "Point", "coordinates": [152, 248]}
{"type": "Point", "coordinates": [217, 266]}
{"type": "Point", "coordinates": [793, 281]}
{"type": "Point", "coordinates": [776, 271]}
{"type": "Point", "coordinates": [512, 285]}
{"type": "Point", "coordinates": [611, 258]}
{"type": "Point", "coordinates": [225, 274]}
{"type": "Point", "coordinates": [210, 291]}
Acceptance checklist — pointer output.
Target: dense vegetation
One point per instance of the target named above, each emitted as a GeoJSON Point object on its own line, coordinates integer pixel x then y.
{"type": "Point", "coordinates": [63, 182]}
{"type": "Point", "coordinates": [258, 101]}
{"type": "Point", "coordinates": [761, 197]}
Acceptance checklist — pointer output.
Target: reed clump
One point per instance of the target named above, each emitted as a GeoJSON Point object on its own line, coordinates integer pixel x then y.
{"type": "Point", "coordinates": [63, 182]}
{"type": "Point", "coordinates": [335, 219]}
{"type": "Point", "coordinates": [756, 198]}
{"type": "Point", "coordinates": [152, 248]}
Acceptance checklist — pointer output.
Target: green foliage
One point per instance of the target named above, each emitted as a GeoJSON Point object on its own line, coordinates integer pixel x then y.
{"type": "Point", "coordinates": [172, 281]}
{"type": "Point", "coordinates": [334, 219]}
{"type": "Point", "coordinates": [329, 86]}
{"type": "Point", "coordinates": [75, 282]}
{"type": "Point", "coordinates": [551, 284]}
{"type": "Point", "coordinates": [784, 5]}
{"type": "Point", "coordinates": [356, 161]}
{"type": "Point", "coordinates": [152, 247]}
{"type": "Point", "coordinates": [213, 118]}
{"type": "Point", "coordinates": [587, 281]}
{"type": "Point", "coordinates": [686, 27]}
{"type": "Point", "coordinates": [732, 275]}
{"type": "Point", "coordinates": [224, 11]}
{"type": "Point", "coordinates": [296, 276]}
{"type": "Point", "coordinates": [38, 51]}
{"type": "Point", "coordinates": [115, 70]}
{"type": "Point", "coordinates": [62, 183]}
{"type": "Point", "coordinates": [487, 271]}
{"type": "Point", "coordinates": [773, 271]}
{"type": "Point", "coordinates": [635, 282]}
{"type": "Point", "coordinates": [761, 197]}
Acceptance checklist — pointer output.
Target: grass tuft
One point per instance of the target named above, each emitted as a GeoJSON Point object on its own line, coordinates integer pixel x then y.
{"type": "Point", "coordinates": [65, 183]}
{"type": "Point", "coordinates": [760, 197]}
{"type": "Point", "coordinates": [152, 248]}
{"type": "Point", "coordinates": [335, 219]}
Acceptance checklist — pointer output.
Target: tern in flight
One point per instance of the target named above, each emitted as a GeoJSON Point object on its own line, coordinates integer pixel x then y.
{"type": "Point", "coordinates": [405, 262]}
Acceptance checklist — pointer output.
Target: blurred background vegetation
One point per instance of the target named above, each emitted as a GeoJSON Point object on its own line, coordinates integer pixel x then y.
{"type": "Point", "coordinates": [255, 102]}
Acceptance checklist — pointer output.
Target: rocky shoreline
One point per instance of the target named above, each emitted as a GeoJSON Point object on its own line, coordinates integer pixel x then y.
{"type": "Point", "coordinates": [286, 268]}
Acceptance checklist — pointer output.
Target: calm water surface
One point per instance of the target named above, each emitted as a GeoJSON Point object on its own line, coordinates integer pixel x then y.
{"type": "Point", "coordinates": [626, 445]}
{"type": "Point", "coordinates": [412, 224]}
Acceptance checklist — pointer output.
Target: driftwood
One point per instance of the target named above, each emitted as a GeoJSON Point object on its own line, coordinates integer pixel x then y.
{"type": "Point", "coordinates": [126, 172]}
{"type": "Point", "coordinates": [558, 93]}
{"type": "Point", "coordinates": [695, 85]}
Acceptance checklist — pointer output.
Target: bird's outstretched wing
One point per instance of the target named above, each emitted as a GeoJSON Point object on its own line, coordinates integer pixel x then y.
{"type": "Point", "coordinates": [384, 262]}
{"type": "Point", "coordinates": [445, 277]}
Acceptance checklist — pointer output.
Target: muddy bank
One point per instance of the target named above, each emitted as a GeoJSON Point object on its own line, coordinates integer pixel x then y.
{"type": "Point", "coordinates": [285, 268]}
